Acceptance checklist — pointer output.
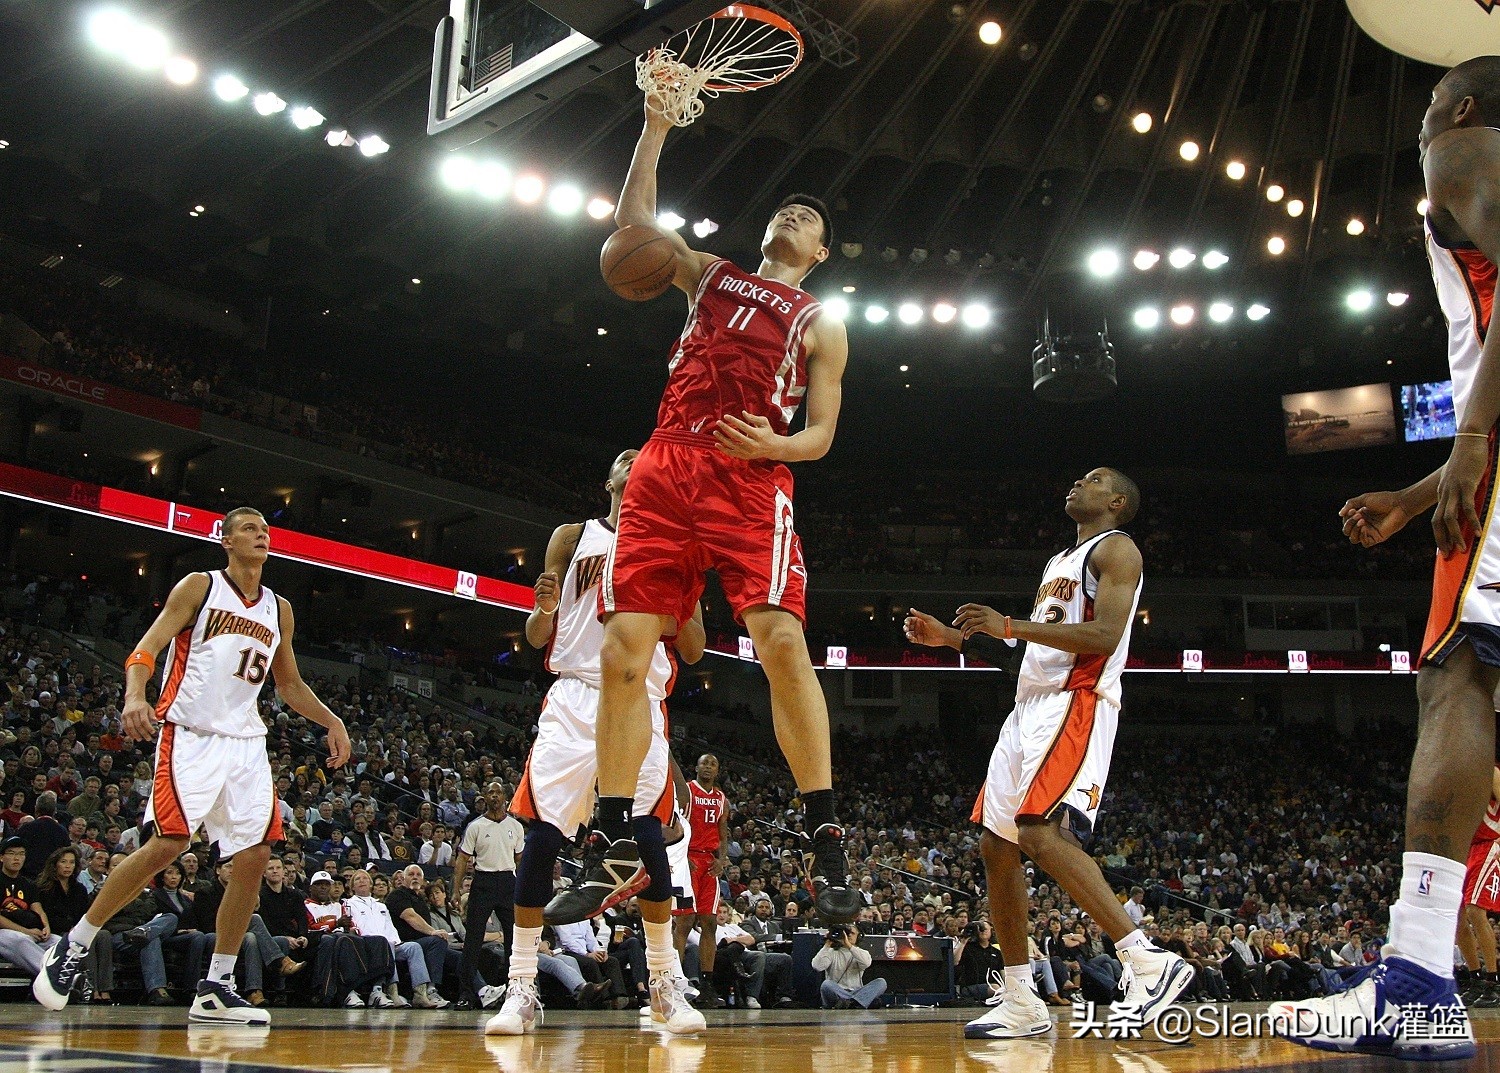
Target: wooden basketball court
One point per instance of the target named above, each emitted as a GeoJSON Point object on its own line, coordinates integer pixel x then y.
{"type": "Point", "coordinates": [135, 1040]}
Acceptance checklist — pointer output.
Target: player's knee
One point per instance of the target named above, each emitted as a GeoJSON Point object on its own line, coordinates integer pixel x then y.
{"type": "Point", "coordinates": [782, 647]}
{"type": "Point", "coordinates": [534, 871]}
{"type": "Point", "coordinates": [252, 857]}
{"type": "Point", "coordinates": [621, 659]}
{"type": "Point", "coordinates": [652, 847]}
{"type": "Point", "coordinates": [1036, 839]}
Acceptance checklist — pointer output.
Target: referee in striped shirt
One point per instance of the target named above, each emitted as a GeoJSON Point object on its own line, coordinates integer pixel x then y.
{"type": "Point", "coordinates": [491, 843]}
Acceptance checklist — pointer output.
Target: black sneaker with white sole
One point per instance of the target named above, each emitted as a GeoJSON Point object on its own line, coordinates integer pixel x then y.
{"type": "Point", "coordinates": [836, 898]}
{"type": "Point", "coordinates": [61, 968]}
{"type": "Point", "coordinates": [612, 873]}
{"type": "Point", "coordinates": [218, 1003]}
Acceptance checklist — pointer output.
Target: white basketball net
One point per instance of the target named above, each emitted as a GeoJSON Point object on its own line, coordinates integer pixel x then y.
{"type": "Point", "coordinates": [718, 55]}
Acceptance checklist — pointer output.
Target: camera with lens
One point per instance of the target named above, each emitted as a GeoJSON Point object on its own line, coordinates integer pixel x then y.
{"type": "Point", "coordinates": [837, 933]}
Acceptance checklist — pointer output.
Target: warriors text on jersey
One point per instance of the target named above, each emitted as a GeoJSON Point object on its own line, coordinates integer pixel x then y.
{"type": "Point", "coordinates": [741, 351]}
{"type": "Point", "coordinates": [1067, 596]}
{"type": "Point", "coordinates": [707, 810]}
{"type": "Point", "coordinates": [578, 635]}
{"type": "Point", "coordinates": [220, 662]}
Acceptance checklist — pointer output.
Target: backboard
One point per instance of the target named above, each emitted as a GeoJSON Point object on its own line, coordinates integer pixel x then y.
{"type": "Point", "coordinates": [500, 59]}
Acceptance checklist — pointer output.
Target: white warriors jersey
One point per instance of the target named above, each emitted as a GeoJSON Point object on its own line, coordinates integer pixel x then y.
{"type": "Point", "coordinates": [578, 634]}
{"type": "Point", "coordinates": [1465, 281]}
{"type": "Point", "coordinates": [213, 680]}
{"type": "Point", "coordinates": [1067, 596]}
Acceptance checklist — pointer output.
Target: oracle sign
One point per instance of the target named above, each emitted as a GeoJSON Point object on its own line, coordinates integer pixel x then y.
{"type": "Point", "coordinates": [61, 383]}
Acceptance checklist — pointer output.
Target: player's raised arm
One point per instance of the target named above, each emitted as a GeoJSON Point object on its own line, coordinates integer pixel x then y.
{"type": "Point", "coordinates": [299, 695]}
{"type": "Point", "coordinates": [1462, 168]}
{"type": "Point", "coordinates": [542, 621]}
{"type": "Point", "coordinates": [637, 204]}
{"type": "Point", "coordinates": [181, 608]}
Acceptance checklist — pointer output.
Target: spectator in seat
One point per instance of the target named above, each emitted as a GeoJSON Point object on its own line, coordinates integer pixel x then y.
{"type": "Point", "coordinates": [141, 927]}
{"type": "Point", "coordinates": [65, 901]}
{"type": "Point", "coordinates": [579, 942]}
{"type": "Point", "coordinates": [981, 967]}
{"type": "Point", "coordinates": [407, 903]}
{"type": "Point", "coordinates": [283, 909]}
{"type": "Point", "coordinates": [437, 853]}
{"type": "Point", "coordinates": [194, 882]}
{"type": "Point", "coordinates": [843, 963]}
{"type": "Point", "coordinates": [370, 917]}
{"type": "Point", "coordinates": [762, 925]}
{"type": "Point", "coordinates": [93, 877]}
{"type": "Point", "coordinates": [43, 834]}
{"type": "Point", "coordinates": [1135, 905]}
{"type": "Point", "coordinates": [25, 935]}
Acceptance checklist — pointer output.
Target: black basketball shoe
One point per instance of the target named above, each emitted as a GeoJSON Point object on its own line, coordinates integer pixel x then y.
{"type": "Point", "coordinates": [62, 966]}
{"type": "Point", "coordinates": [612, 873]}
{"type": "Point", "coordinates": [836, 899]}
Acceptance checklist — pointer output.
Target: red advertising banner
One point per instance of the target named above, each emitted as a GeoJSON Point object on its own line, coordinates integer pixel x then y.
{"type": "Point", "coordinates": [113, 503]}
{"type": "Point", "coordinates": [72, 386]}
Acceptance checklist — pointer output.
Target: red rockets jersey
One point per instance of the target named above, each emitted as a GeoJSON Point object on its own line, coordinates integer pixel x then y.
{"type": "Point", "coordinates": [708, 807]}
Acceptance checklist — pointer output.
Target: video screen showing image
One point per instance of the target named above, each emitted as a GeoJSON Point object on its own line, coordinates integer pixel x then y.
{"type": "Point", "coordinates": [1427, 411]}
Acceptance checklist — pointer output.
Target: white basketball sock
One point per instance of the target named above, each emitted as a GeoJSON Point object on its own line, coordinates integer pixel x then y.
{"type": "Point", "coordinates": [660, 954]}
{"type": "Point", "coordinates": [524, 945]}
{"type": "Point", "coordinates": [83, 933]}
{"type": "Point", "coordinates": [1425, 918]}
{"type": "Point", "coordinates": [221, 967]}
{"type": "Point", "coordinates": [1136, 938]}
{"type": "Point", "coordinates": [1018, 979]}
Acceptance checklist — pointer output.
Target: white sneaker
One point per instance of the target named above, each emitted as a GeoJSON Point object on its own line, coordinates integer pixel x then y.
{"type": "Point", "coordinates": [670, 1007]}
{"type": "Point", "coordinates": [1019, 1013]}
{"type": "Point", "coordinates": [752, 1003]}
{"type": "Point", "coordinates": [379, 1000]}
{"type": "Point", "coordinates": [1152, 981]}
{"type": "Point", "coordinates": [522, 1011]}
{"type": "Point", "coordinates": [490, 996]}
{"type": "Point", "coordinates": [354, 1002]}
{"type": "Point", "coordinates": [689, 988]}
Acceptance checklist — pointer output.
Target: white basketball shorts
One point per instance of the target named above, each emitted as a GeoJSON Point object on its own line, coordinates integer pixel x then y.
{"type": "Point", "coordinates": [220, 782]}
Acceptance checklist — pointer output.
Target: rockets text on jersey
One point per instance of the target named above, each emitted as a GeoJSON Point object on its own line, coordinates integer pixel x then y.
{"type": "Point", "coordinates": [742, 351]}
{"type": "Point", "coordinates": [707, 809]}
{"type": "Point", "coordinates": [578, 635]}
{"type": "Point", "coordinates": [219, 664]}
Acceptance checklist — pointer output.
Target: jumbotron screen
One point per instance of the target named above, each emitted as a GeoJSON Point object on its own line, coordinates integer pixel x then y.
{"type": "Point", "coordinates": [1427, 411]}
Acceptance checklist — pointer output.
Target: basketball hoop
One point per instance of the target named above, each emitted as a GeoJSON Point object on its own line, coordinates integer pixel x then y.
{"type": "Point", "coordinates": [737, 50]}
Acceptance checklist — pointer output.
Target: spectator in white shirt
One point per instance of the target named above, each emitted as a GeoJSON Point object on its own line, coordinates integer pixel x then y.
{"type": "Point", "coordinates": [1135, 908]}
{"type": "Point", "coordinates": [373, 918]}
{"type": "Point", "coordinates": [438, 852]}
{"type": "Point", "coordinates": [581, 943]}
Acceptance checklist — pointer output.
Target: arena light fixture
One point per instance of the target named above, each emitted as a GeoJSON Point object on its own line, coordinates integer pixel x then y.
{"type": "Point", "coordinates": [990, 33]}
{"type": "Point", "coordinates": [944, 312]}
{"type": "Point", "coordinates": [305, 118]}
{"type": "Point", "coordinates": [1235, 169]}
{"type": "Point", "coordinates": [1189, 151]}
{"type": "Point", "coordinates": [565, 199]}
{"type": "Point", "coordinates": [1147, 317]}
{"type": "Point", "coordinates": [373, 145]}
{"type": "Point", "coordinates": [1182, 315]}
{"type": "Point", "coordinates": [876, 314]}
{"type": "Point", "coordinates": [837, 308]}
{"type": "Point", "coordinates": [1397, 298]}
{"type": "Point", "coordinates": [1423, 206]}
{"type": "Point", "coordinates": [1105, 262]}
{"type": "Point", "coordinates": [492, 181]}
{"type": "Point", "coordinates": [850, 288]}
{"type": "Point", "coordinates": [108, 28]}
{"type": "Point", "coordinates": [1219, 312]}
{"type": "Point", "coordinates": [1359, 300]}
{"type": "Point", "coordinates": [705, 227]}
{"type": "Point", "coordinates": [268, 103]}
{"type": "Point", "coordinates": [601, 208]}
{"type": "Point", "coordinates": [1181, 257]}
{"type": "Point", "coordinates": [1355, 227]}
{"type": "Point", "coordinates": [1215, 259]}
{"type": "Point", "coordinates": [228, 88]}
{"type": "Point", "coordinates": [181, 71]}
{"type": "Point", "coordinates": [459, 174]}
{"type": "Point", "coordinates": [1257, 311]}
{"type": "Point", "coordinates": [976, 316]}
{"type": "Point", "coordinates": [904, 368]}
{"type": "Point", "coordinates": [669, 219]}
{"type": "Point", "coordinates": [909, 313]}
{"type": "Point", "coordinates": [1145, 260]}
{"type": "Point", "coordinates": [1295, 207]}
{"type": "Point", "coordinates": [1142, 121]}
{"type": "Point", "coordinates": [1275, 245]}
{"type": "Point", "coordinates": [1275, 193]}
{"type": "Point", "coordinates": [339, 138]}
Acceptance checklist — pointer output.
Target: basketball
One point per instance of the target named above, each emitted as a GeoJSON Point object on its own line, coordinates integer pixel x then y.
{"type": "Point", "coordinates": [638, 263]}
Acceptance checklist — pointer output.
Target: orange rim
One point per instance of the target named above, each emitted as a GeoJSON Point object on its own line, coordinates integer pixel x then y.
{"type": "Point", "coordinates": [771, 18]}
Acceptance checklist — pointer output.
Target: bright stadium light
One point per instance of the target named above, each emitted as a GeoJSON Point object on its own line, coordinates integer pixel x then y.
{"type": "Point", "coordinates": [1214, 259]}
{"type": "Point", "coordinates": [1189, 151]}
{"type": "Point", "coordinates": [1355, 227]}
{"type": "Point", "coordinates": [1275, 245]}
{"type": "Point", "coordinates": [909, 313]}
{"type": "Point", "coordinates": [1104, 262]}
{"type": "Point", "coordinates": [944, 312]}
{"type": "Point", "coordinates": [565, 199]}
{"type": "Point", "coordinates": [492, 181]}
{"type": "Point", "coordinates": [705, 227]}
{"type": "Point", "coordinates": [1423, 206]}
{"type": "Point", "coordinates": [108, 28]}
{"type": "Point", "coordinates": [1145, 260]}
{"type": "Point", "coordinates": [1359, 301]}
{"type": "Point", "coordinates": [268, 103]}
{"type": "Point", "coordinates": [601, 209]}
{"type": "Point", "coordinates": [373, 145]}
{"type": "Point", "coordinates": [1258, 312]}
{"type": "Point", "coordinates": [145, 48]}
{"type": "Point", "coordinates": [876, 314]}
{"type": "Point", "coordinates": [1181, 257]}
{"type": "Point", "coordinates": [181, 71]}
{"type": "Point", "coordinates": [670, 220]}
{"type": "Point", "coordinates": [1219, 312]}
{"type": "Point", "coordinates": [1147, 317]}
{"type": "Point", "coordinates": [837, 308]}
{"type": "Point", "coordinates": [1182, 315]}
{"type": "Point", "coordinates": [1397, 298]}
{"type": "Point", "coordinates": [1141, 121]}
{"type": "Point", "coordinates": [459, 174]}
{"type": "Point", "coordinates": [1274, 193]}
{"type": "Point", "coordinates": [305, 118]}
{"type": "Point", "coordinates": [229, 88]}
{"type": "Point", "coordinates": [976, 316]}
{"type": "Point", "coordinates": [1295, 207]}
{"type": "Point", "coordinates": [1235, 169]}
{"type": "Point", "coordinates": [990, 33]}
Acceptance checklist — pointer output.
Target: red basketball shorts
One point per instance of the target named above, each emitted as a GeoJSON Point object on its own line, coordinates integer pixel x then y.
{"type": "Point", "coordinates": [689, 508]}
{"type": "Point", "coordinates": [705, 883]}
{"type": "Point", "coordinates": [1482, 876]}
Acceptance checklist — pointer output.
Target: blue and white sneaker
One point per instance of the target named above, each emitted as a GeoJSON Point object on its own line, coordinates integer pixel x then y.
{"type": "Point", "coordinates": [218, 1003]}
{"type": "Point", "coordinates": [1152, 981]}
{"type": "Point", "coordinates": [1394, 1008]}
{"type": "Point", "coordinates": [62, 969]}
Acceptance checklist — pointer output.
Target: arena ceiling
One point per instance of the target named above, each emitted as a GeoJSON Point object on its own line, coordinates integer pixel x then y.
{"type": "Point", "coordinates": [956, 169]}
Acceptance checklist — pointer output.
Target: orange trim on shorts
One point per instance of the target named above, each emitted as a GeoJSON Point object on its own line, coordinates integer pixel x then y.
{"type": "Point", "coordinates": [977, 816]}
{"type": "Point", "coordinates": [666, 804]}
{"type": "Point", "coordinates": [274, 832]}
{"type": "Point", "coordinates": [523, 802]}
{"type": "Point", "coordinates": [1452, 577]}
{"type": "Point", "coordinates": [166, 806]}
{"type": "Point", "coordinates": [180, 647]}
{"type": "Point", "coordinates": [1059, 770]}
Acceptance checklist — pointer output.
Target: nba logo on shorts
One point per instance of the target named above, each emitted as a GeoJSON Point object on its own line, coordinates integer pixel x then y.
{"type": "Point", "coordinates": [466, 585]}
{"type": "Point", "coordinates": [1424, 882]}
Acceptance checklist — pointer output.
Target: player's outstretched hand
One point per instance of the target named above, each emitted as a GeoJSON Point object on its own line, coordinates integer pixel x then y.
{"type": "Point", "coordinates": [1373, 517]}
{"type": "Point", "coordinates": [656, 119]}
{"type": "Point", "coordinates": [338, 745]}
{"type": "Point", "coordinates": [749, 438]}
{"type": "Point", "coordinates": [139, 720]}
{"type": "Point", "coordinates": [976, 618]}
{"type": "Point", "coordinates": [548, 592]}
{"type": "Point", "coordinates": [923, 629]}
{"type": "Point", "coordinates": [1456, 519]}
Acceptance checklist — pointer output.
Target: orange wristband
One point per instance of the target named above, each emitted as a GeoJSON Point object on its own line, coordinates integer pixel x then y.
{"type": "Point", "coordinates": [1008, 637]}
{"type": "Point", "coordinates": [139, 658]}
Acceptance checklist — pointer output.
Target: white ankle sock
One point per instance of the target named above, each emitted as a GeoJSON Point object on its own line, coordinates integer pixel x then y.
{"type": "Point", "coordinates": [1018, 979]}
{"type": "Point", "coordinates": [221, 966]}
{"type": "Point", "coordinates": [660, 954]}
{"type": "Point", "coordinates": [1137, 938]}
{"type": "Point", "coordinates": [83, 933]}
{"type": "Point", "coordinates": [1425, 918]}
{"type": "Point", "coordinates": [525, 942]}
